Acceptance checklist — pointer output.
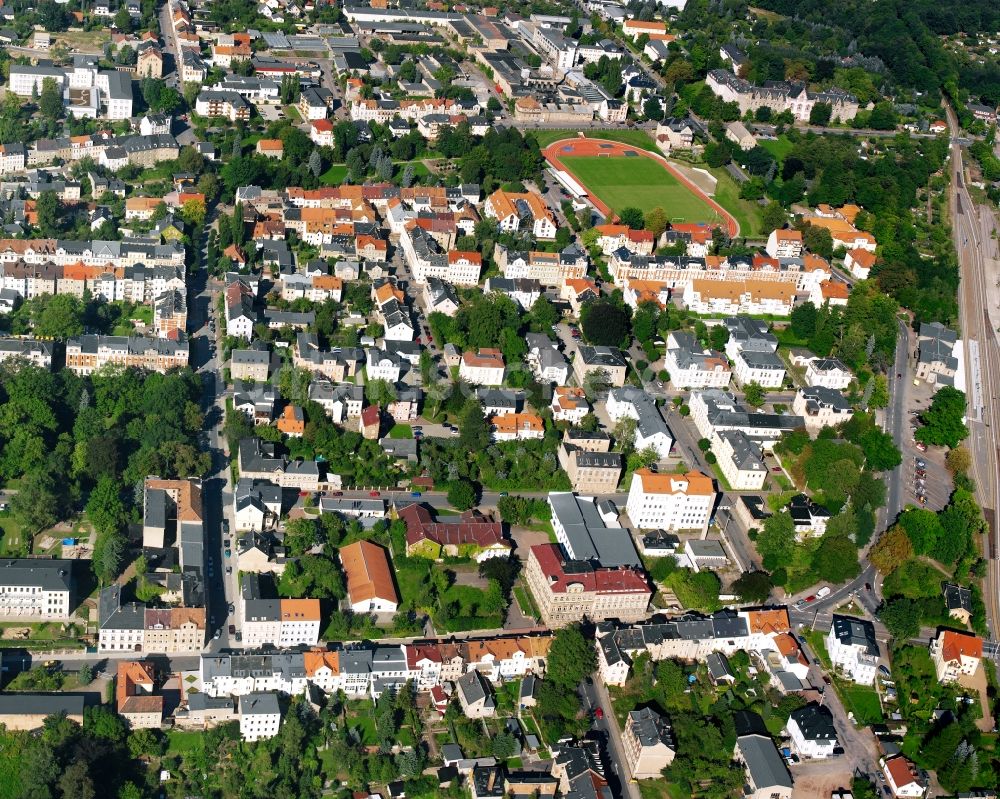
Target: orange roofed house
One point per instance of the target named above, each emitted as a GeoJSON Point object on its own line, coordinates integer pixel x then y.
{"type": "Point", "coordinates": [634, 28]}
{"type": "Point", "coordinates": [483, 368]}
{"type": "Point", "coordinates": [271, 148]}
{"type": "Point", "coordinates": [134, 695]}
{"type": "Point", "coordinates": [732, 297]}
{"type": "Point", "coordinates": [956, 655]}
{"type": "Point", "coordinates": [292, 422]}
{"type": "Point", "coordinates": [370, 588]}
{"type": "Point", "coordinates": [670, 501]}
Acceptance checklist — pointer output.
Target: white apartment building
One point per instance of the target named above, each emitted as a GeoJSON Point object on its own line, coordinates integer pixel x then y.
{"type": "Point", "coordinates": [670, 501]}
{"type": "Point", "coordinates": [512, 210]}
{"type": "Point", "coordinates": [828, 373]}
{"type": "Point", "coordinates": [691, 366]}
{"type": "Point", "coordinates": [853, 648]}
{"type": "Point", "coordinates": [764, 368]}
{"type": "Point", "coordinates": [380, 365]}
{"type": "Point", "coordinates": [35, 589]}
{"type": "Point", "coordinates": [956, 655]}
{"type": "Point", "coordinates": [784, 243]}
{"type": "Point", "coordinates": [260, 716]}
{"type": "Point", "coordinates": [812, 732]}
{"type": "Point", "coordinates": [821, 407]}
{"type": "Point", "coordinates": [484, 368]}
{"type": "Point", "coordinates": [729, 297]}
{"type": "Point", "coordinates": [740, 460]}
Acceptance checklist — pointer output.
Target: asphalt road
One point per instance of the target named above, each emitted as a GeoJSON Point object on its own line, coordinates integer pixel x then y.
{"type": "Point", "coordinates": [595, 694]}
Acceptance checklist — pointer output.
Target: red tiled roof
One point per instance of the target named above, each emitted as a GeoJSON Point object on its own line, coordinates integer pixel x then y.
{"type": "Point", "coordinates": [619, 581]}
{"type": "Point", "coordinates": [420, 526]}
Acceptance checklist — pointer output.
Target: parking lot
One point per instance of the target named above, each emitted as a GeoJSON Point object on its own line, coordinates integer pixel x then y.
{"type": "Point", "coordinates": [927, 485]}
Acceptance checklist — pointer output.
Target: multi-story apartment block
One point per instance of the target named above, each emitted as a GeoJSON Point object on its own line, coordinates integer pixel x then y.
{"type": "Point", "coordinates": [853, 648]}
{"type": "Point", "coordinates": [670, 501]}
{"type": "Point", "coordinates": [567, 591]}
{"type": "Point", "coordinates": [36, 589]}
{"type": "Point", "coordinates": [728, 297]}
{"type": "Point", "coordinates": [692, 366]}
{"type": "Point", "coordinates": [548, 268]}
{"type": "Point", "coordinates": [35, 352]}
{"type": "Point", "coordinates": [956, 655]}
{"type": "Point", "coordinates": [651, 431]}
{"type": "Point", "coordinates": [784, 243]}
{"type": "Point", "coordinates": [260, 716]}
{"type": "Point", "coordinates": [228, 104]}
{"type": "Point", "coordinates": [88, 353]}
{"type": "Point", "coordinates": [483, 368]}
{"type": "Point", "coordinates": [649, 744]}
{"type": "Point", "coordinates": [828, 373]}
{"type": "Point", "coordinates": [780, 96]}
{"type": "Point", "coordinates": [514, 210]}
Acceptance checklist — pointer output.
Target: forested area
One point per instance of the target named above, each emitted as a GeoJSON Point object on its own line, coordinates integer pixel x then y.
{"type": "Point", "coordinates": [903, 34]}
{"type": "Point", "coordinates": [70, 443]}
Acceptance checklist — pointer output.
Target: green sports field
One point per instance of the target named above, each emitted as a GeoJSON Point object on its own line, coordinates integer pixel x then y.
{"type": "Point", "coordinates": [623, 181]}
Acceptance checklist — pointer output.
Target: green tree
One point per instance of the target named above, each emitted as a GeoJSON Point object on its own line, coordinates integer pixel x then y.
{"type": "Point", "coordinates": [776, 541]}
{"type": "Point", "coordinates": [774, 216]}
{"type": "Point", "coordinates": [820, 114]}
{"type": "Point", "coordinates": [105, 509]}
{"type": "Point", "coordinates": [836, 559]}
{"type": "Point", "coordinates": [461, 494]}
{"type": "Point", "coordinates": [123, 22]}
{"type": "Point", "coordinates": [50, 103]}
{"type": "Point", "coordinates": [474, 431]}
{"type": "Point", "coordinates": [656, 221]}
{"type": "Point", "coordinates": [632, 217]}
{"type": "Point", "coordinates": [604, 323]}
{"type": "Point", "coordinates": [380, 392]}
{"type": "Point", "coordinates": [754, 394]}
{"type": "Point", "coordinates": [942, 421]}
{"type": "Point", "coordinates": [901, 617]}
{"type": "Point", "coordinates": [753, 587]}
{"type": "Point", "coordinates": [58, 316]}
{"type": "Point", "coordinates": [38, 503]}
{"type": "Point", "coordinates": [47, 208]}
{"type": "Point", "coordinates": [543, 315]}
{"type": "Point", "coordinates": [891, 549]}
{"type": "Point", "coordinates": [880, 450]}
{"type": "Point", "coordinates": [571, 658]}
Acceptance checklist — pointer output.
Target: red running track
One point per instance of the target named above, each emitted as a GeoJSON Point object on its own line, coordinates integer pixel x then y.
{"type": "Point", "coordinates": [594, 147]}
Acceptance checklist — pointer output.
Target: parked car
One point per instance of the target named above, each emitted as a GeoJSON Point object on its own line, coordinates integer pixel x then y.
{"type": "Point", "coordinates": [232, 629]}
{"type": "Point", "coordinates": [374, 494]}
{"type": "Point", "coordinates": [824, 591]}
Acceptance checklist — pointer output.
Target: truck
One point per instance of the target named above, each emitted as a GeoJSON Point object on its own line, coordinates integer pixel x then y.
{"type": "Point", "coordinates": [824, 591]}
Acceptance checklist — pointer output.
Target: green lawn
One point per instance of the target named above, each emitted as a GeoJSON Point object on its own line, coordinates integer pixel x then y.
{"type": "Point", "coordinates": [334, 176]}
{"type": "Point", "coordinates": [178, 742]}
{"type": "Point", "coordinates": [637, 138]}
{"type": "Point", "coordinates": [622, 182]}
{"type": "Point", "coordinates": [337, 173]}
{"type": "Point", "coordinates": [524, 600]}
{"type": "Point", "coordinates": [10, 534]}
{"type": "Point", "coordinates": [747, 213]}
{"type": "Point", "coordinates": [779, 147]}
{"type": "Point", "coordinates": [862, 701]}
{"type": "Point", "coordinates": [419, 168]}
{"type": "Point", "coordinates": [401, 431]}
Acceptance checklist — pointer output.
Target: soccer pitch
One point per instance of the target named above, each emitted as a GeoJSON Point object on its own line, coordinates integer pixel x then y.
{"type": "Point", "coordinates": [623, 181]}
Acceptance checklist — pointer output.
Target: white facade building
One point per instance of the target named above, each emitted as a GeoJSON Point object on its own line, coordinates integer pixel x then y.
{"type": "Point", "coordinates": [670, 501]}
